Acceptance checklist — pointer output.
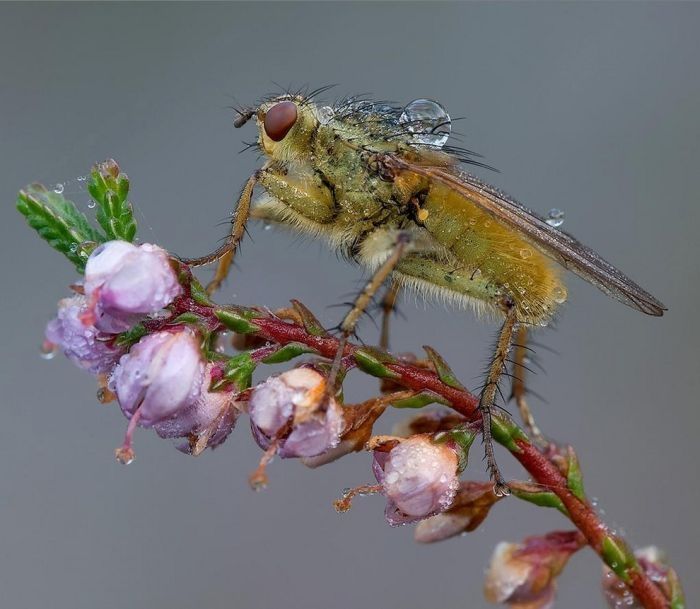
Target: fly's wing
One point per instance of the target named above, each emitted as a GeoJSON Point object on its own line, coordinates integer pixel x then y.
{"type": "Point", "coordinates": [554, 243]}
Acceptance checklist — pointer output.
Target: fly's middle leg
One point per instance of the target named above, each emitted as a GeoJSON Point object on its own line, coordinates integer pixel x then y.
{"type": "Point", "coordinates": [363, 300]}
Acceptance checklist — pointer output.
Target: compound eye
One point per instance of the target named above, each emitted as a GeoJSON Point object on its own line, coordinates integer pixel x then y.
{"type": "Point", "coordinates": [280, 119]}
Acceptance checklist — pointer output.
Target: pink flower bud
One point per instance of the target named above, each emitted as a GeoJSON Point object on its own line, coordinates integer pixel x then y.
{"type": "Point", "coordinates": [160, 376]}
{"type": "Point", "coordinates": [124, 282]}
{"type": "Point", "coordinates": [418, 476]}
{"type": "Point", "coordinates": [523, 575]}
{"type": "Point", "coordinates": [84, 345]}
{"type": "Point", "coordinates": [206, 422]}
{"type": "Point", "coordinates": [653, 563]}
{"type": "Point", "coordinates": [291, 409]}
{"type": "Point", "coordinates": [469, 508]}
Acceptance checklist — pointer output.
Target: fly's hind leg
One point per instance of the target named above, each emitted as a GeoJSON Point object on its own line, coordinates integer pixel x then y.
{"type": "Point", "coordinates": [519, 390]}
{"type": "Point", "coordinates": [225, 253]}
{"type": "Point", "coordinates": [488, 394]}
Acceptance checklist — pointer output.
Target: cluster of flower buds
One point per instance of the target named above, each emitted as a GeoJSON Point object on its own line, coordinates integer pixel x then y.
{"type": "Point", "coordinates": [653, 563]}
{"type": "Point", "coordinates": [523, 575]}
{"type": "Point", "coordinates": [163, 380]}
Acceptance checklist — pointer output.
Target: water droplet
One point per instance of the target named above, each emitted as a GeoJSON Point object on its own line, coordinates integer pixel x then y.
{"type": "Point", "coordinates": [477, 274]}
{"type": "Point", "coordinates": [74, 247]}
{"type": "Point", "coordinates": [525, 253]}
{"type": "Point", "coordinates": [559, 295]}
{"type": "Point", "coordinates": [48, 350]}
{"type": "Point", "coordinates": [428, 121]}
{"type": "Point", "coordinates": [58, 188]}
{"type": "Point", "coordinates": [346, 491]}
{"type": "Point", "coordinates": [325, 114]}
{"type": "Point", "coordinates": [81, 178]}
{"type": "Point", "coordinates": [91, 204]}
{"type": "Point", "coordinates": [555, 217]}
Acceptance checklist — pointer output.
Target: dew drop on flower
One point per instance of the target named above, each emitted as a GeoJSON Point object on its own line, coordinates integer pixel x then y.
{"type": "Point", "coordinates": [555, 217]}
{"type": "Point", "coordinates": [58, 188]}
{"type": "Point", "coordinates": [47, 350]}
{"type": "Point", "coordinates": [428, 121]}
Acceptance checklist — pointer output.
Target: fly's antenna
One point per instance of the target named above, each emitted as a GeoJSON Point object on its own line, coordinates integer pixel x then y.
{"type": "Point", "coordinates": [244, 115]}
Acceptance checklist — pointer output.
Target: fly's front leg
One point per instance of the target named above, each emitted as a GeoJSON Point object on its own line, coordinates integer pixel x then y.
{"type": "Point", "coordinates": [224, 254]}
{"type": "Point", "coordinates": [518, 388]}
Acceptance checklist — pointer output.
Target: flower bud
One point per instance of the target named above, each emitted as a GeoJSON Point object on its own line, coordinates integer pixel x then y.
{"type": "Point", "coordinates": [291, 410]}
{"type": "Point", "coordinates": [523, 575]}
{"type": "Point", "coordinates": [84, 345]}
{"type": "Point", "coordinates": [469, 508]}
{"type": "Point", "coordinates": [653, 562]}
{"type": "Point", "coordinates": [419, 477]}
{"type": "Point", "coordinates": [161, 375]}
{"type": "Point", "coordinates": [124, 282]}
{"type": "Point", "coordinates": [206, 422]}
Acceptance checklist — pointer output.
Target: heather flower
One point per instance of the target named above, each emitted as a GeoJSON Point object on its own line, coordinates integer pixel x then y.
{"type": "Point", "coordinates": [206, 422]}
{"type": "Point", "coordinates": [523, 575]}
{"type": "Point", "coordinates": [469, 508]}
{"type": "Point", "coordinates": [419, 477]}
{"type": "Point", "coordinates": [289, 411]}
{"type": "Point", "coordinates": [124, 282]}
{"type": "Point", "coordinates": [653, 563]}
{"type": "Point", "coordinates": [84, 345]}
{"type": "Point", "coordinates": [161, 376]}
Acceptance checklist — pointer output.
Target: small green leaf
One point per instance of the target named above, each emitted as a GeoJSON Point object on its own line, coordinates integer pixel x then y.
{"type": "Point", "coordinates": [239, 370]}
{"type": "Point", "coordinates": [541, 498]}
{"type": "Point", "coordinates": [464, 438]}
{"type": "Point", "coordinates": [308, 320]}
{"type": "Point", "coordinates": [420, 399]}
{"type": "Point", "coordinates": [198, 293]}
{"type": "Point", "coordinates": [574, 477]}
{"type": "Point", "coordinates": [109, 187]}
{"type": "Point", "coordinates": [369, 363]}
{"type": "Point", "coordinates": [186, 318]}
{"type": "Point", "coordinates": [618, 557]}
{"type": "Point", "coordinates": [131, 336]}
{"type": "Point", "coordinates": [288, 352]}
{"type": "Point", "coordinates": [506, 432]}
{"type": "Point", "coordinates": [235, 321]}
{"type": "Point", "coordinates": [443, 371]}
{"type": "Point", "coordinates": [59, 222]}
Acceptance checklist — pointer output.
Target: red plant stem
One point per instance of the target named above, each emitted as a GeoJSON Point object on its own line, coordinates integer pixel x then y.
{"type": "Point", "coordinates": [542, 470]}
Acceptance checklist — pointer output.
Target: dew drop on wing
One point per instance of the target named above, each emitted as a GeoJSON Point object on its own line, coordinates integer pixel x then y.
{"type": "Point", "coordinates": [428, 121]}
{"type": "Point", "coordinates": [555, 217]}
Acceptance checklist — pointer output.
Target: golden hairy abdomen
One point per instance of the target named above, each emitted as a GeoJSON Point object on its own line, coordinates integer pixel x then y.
{"type": "Point", "coordinates": [494, 252]}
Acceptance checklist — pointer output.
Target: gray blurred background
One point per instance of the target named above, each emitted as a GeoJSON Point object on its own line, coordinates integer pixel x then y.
{"type": "Point", "coordinates": [593, 108]}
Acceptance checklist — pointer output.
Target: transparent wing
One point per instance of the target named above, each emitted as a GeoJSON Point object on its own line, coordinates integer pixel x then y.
{"type": "Point", "coordinates": [560, 246]}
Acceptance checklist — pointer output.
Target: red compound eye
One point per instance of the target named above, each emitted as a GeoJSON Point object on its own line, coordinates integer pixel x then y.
{"type": "Point", "coordinates": [280, 119]}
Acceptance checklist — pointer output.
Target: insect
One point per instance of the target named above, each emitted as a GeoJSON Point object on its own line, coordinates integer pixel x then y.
{"type": "Point", "coordinates": [379, 183]}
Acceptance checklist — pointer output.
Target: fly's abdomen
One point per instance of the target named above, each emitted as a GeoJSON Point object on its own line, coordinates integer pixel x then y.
{"type": "Point", "coordinates": [494, 253]}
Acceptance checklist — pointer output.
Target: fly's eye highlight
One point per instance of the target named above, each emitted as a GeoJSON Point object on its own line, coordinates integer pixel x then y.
{"type": "Point", "coordinates": [280, 119]}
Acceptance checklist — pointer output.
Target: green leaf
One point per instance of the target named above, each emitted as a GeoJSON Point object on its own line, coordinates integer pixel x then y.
{"type": "Point", "coordinates": [128, 338]}
{"type": "Point", "coordinates": [239, 370]}
{"type": "Point", "coordinates": [59, 222]}
{"type": "Point", "coordinates": [574, 477]}
{"type": "Point", "coordinates": [420, 399]}
{"type": "Point", "coordinates": [308, 320]}
{"type": "Point", "coordinates": [541, 498]}
{"type": "Point", "coordinates": [618, 557]}
{"type": "Point", "coordinates": [289, 351]}
{"type": "Point", "coordinates": [109, 187]}
{"type": "Point", "coordinates": [464, 438]}
{"type": "Point", "coordinates": [506, 432]}
{"type": "Point", "coordinates": [236, 321]}
{"type": "Point", "coordinates": [369, 363]}
{"type": "Point", "coordinates": [443, 371]}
